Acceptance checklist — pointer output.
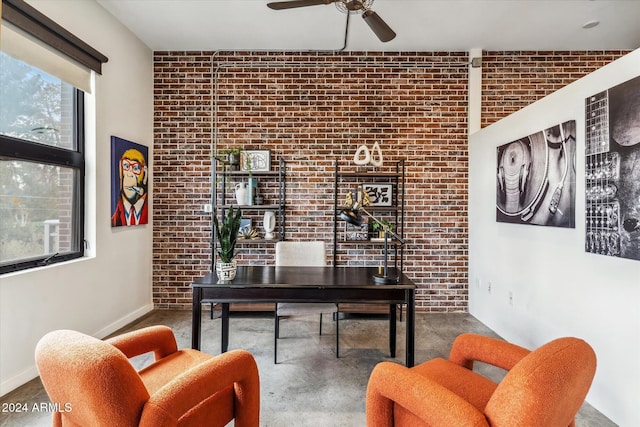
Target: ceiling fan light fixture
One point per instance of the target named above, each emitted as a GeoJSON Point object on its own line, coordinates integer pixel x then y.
{"type": "Point", "coordinates": [353, 6]}
{"type": "Point", "coordinates": [373, 20]}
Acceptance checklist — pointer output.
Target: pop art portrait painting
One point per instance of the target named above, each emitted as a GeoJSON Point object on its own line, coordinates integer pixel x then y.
{"type": "Point", "coordinates": [129, 183]}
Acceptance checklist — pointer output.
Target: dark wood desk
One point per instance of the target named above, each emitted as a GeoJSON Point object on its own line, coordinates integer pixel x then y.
{"type": "Point", "coordinates": [305, 284]}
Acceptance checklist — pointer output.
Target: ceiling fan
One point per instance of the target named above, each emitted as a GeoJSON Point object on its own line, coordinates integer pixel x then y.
{"type": "Point", "coordinates": [379, 27]}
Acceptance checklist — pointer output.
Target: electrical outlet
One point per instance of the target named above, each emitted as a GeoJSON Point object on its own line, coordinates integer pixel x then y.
{"type": "Point", "coordinates": [489, 287]}
{"type": "Point", "coordinates": [510, 297]}
{"type": "Point", "coordinates": [207, 208]}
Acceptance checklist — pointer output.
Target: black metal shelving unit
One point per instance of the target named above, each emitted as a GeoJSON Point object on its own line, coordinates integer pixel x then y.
{"type": "Point", "coordinates": [348, 181]}
{"type": "Point", "coordinates": [222, 200]}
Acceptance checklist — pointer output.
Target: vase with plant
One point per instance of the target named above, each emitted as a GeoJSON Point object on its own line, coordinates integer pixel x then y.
{"type": "Point", "coordinates": [252, 183]}
{"type": "Point", "coordinates": [226, 232]}
{"type": "Point", "coordinates": [379, 227]}
{"type": "Point", "coordinates": [231, 156]}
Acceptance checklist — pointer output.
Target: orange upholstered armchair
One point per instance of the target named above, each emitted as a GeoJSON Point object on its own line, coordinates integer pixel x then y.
{"type": "Point", "coordinates": [544, 387]}
{"type": "Point", "coordinates": [95, 384]}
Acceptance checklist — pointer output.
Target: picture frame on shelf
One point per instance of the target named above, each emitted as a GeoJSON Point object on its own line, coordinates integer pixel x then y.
{"type": "Point", "coordinates": [246, 231]}
{"type": "Point", "coordinates": [255, 160]}
{"type": "Point", "coordinates": [357, 233]}
{"type": "Point", "coordinates": [245, 226]}
{"type": "Point", "coordinates": [379, 194]}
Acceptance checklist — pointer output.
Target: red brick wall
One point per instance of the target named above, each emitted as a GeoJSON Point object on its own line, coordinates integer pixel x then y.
{"type": "Point", "coordinates": [513, 80]}
{"type": "Point", "coordinates": [313, 109]}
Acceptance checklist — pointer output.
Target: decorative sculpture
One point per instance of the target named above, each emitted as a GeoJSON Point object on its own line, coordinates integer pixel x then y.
{"type": "Point", "coordinates": [376, 149]}
{"type": "Point", "coordinates": [364, 157]}
{"type": "Point", "coordinates": [269, 224]}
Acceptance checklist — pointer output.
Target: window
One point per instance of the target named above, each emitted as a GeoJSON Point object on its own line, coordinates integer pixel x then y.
{"type": "Point", "coordinates": [41, 167]}
{"type": "Point", "coordinates": [44, 74]}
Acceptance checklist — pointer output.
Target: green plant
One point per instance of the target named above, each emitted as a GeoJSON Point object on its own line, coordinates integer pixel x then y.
{"type": "Point", "coordinates": [247, 163]}
{"type": "Point", "coordinates": [377, 226]}
{"type": "Point", "coordinates": [229, 155]}
{"type": "Point", "coordinates": [228, 151]}
{"type": "Point", "coordinates": [227, 233]}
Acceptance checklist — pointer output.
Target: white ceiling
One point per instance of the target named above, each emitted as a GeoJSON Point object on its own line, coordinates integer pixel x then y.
{"type": "Point", "coordinates": [421, 25]}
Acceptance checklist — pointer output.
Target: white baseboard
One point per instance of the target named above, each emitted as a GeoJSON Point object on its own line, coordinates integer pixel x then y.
{"type": "Point", "coordinates": [123, 321]}
{"type": "Point", "coordinates": [32, 372]}
{"type": "Point", "coordinates": [18, 380]}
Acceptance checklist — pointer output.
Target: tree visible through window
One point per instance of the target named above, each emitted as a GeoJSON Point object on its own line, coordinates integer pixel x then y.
{"type": "Point", "coordinates": [41, 167]}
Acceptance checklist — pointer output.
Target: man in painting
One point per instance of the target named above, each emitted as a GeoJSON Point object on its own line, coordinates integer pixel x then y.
{"type": "Point", "coordinates": [132, 208]}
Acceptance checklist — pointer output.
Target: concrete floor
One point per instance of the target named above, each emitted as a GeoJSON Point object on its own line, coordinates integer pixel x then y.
{"type": "Point", "coordinates": [309, 386]}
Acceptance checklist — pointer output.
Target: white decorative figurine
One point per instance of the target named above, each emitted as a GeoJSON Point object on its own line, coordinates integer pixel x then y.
{"type": "Point", "coordinates": [376, 149]}
{"type": "Point", "coordinates": [269, 224]}
{"type": "Point", "coordinates": [365, 157]}
{"type": "Point", "coordinates": [362, 156]}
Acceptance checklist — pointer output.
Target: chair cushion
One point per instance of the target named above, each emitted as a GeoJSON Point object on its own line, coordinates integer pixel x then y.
{"type": "Point", "coordinates": [159, 373]}
{"type": "Point", "coordinates": [304, 308]}
{"type": "Point", "coordinates": [474, 388]}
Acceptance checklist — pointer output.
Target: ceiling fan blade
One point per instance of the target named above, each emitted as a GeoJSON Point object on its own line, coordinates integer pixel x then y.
{"type": "Point", "coordinates": [379, 27]}
{"type": "Point", "coordinates": [280, 5]}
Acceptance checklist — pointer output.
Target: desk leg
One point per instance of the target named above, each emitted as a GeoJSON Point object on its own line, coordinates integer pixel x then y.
{"type": "Point", "coordinates": [392, 330]}
{"type": "Point", "coordinates": [196, 313]}
{"type": "Point", "coordinates": [410, 322]}
{"type": "Point", "coordinates": [225, 327]}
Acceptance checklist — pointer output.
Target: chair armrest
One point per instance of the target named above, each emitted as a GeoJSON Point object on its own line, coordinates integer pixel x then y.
{"type": "Point", "coordinates": [391, 383]}
{"type": "Point", "coordinates": [188, 390]}
{"type": "Point", "coordinates": [159, 339]}
{"type": "Point", "coordinates": [469, 347]}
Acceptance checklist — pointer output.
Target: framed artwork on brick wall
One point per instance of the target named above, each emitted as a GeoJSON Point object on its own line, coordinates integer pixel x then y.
{"type": "Point", "coordinates": [612, 171]}
{"type": "Point", "coordinates": [355, 232]}
{"type": "Point", "coordinates": [536, 178]}
{"type": "Point", "coordinates": [255, 160]}
{"type": "Point", "coordinates": [379, 194]}
{"type": "Point", "coordinates": [129, 183]}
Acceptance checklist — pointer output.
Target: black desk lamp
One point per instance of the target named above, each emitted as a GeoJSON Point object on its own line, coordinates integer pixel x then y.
{"type": "Point", "coordinates": [352, 215]}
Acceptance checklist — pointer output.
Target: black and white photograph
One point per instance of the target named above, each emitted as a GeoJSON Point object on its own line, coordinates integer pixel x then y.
{"type": "Point", "coordinates": [536, 176]}
{"type": "Point", "coordinates": [612, 171]}
{"type": "Point", "coordinates": [357, 232]}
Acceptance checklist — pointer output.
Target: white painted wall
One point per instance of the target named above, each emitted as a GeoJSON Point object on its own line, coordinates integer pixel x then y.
{"type": "Point", "coordinates": [112, 285]}
{"type": "Point", "coordinates": [558, 289]}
